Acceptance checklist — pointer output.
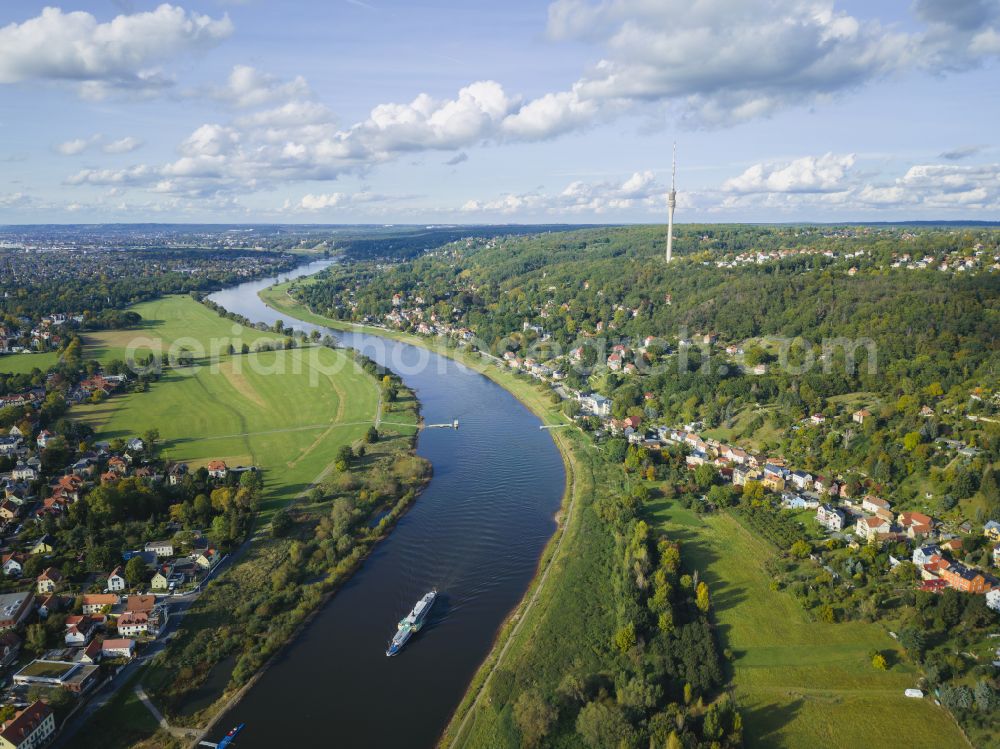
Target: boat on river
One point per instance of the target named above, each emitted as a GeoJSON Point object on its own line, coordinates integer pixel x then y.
{"type": "Point", "coordinates": [410, 624]}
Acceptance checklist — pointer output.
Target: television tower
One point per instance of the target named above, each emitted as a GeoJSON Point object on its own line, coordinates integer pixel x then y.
{"type": "Point", "coordinates": [671, 204]}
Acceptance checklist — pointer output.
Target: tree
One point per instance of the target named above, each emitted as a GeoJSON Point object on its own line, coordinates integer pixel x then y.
{"type": "Point", "coordinates": [99, 558]}
{"type": "Point", "coordinates": [281, 524]}
{"type": "Point", "coordinates": [371, 435]}
{"type": "Point", "coordinates": [136, 571]}
{"type": "Point", "coordinates": [625, 638]}
{"type": "Point", "coordinates": [753, 491]}
{"type": "Point", "coordinates": [203, 507]}
{"type": "Point", "coordinates": [879, 663]}
{"type": "Point", "coordinates": [36, 638]}
{"type": "Point", "coordinates": [602, 725]}
{"type": "Point", "coordinates": [702, 600]}
{"type": "Point", "coordinates": [705, 475]}
{"type": "Point", "coordinates": [910, 441]}
{"type": "Point", "coordinates": [534, 716]}
{"type": "Point", "coordinates": [800, 549]}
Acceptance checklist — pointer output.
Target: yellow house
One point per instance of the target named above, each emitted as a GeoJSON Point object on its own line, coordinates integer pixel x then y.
{"type": "Point", "coordinates": [773, 482]}
{"type": "Point", "coordinates": [160, 582]}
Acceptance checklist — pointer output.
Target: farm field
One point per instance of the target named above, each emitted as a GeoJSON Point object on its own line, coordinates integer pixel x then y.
{"type": "Point", "coordinates": [799, 682]}
{"type": "Point", "coordinates": [286, 411]}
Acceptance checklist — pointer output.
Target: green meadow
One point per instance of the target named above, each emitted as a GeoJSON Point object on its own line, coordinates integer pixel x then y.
{"type": "Point", "coordinates": [24, 363]}
{"type": "Point", "coordinates": [286, 411]}
{"type": "Point", "coordinates": [800, 682]}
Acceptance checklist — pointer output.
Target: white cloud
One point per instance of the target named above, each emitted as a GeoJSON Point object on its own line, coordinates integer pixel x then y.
{"type": "Point", "coordinates": [122, 145]}
{"type": "Point", "coordinates": [639, 191]}
{"type": "Point", "coordinates": [136, 175]}
{"type": "Point", "coordinates": [77, 145]}
{"type": "Point", "coordinates": [323, 201]}
{"type": "Point", "coordinates": [119, 54]}
{"type": "Point", "coordinates": [828, 182]}
{"type": "Point", "coordinates": [808, 174]}
{"type": "Point", "coordinates": [550, 115]}
{"type": "Point", "coordinates": [720, 62]}
{"type": "Point", "coordinates": [249, 87]}
{"type": "Point", "coordinates": [14, 200]}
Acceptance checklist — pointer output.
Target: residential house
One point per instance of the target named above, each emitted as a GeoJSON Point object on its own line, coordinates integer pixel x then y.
{"type": "Point", "coordinates": [161, 548]}
{"type": "Point", "coordinates": [79, 630]}
{"type": "Point", "coordinates": [176, 473]}
{"type": "Point", "coordinates": [217, 469]}
{"type": "Point", "coordinates": [119, 647]}
{"type": "Point", "coordinates": [992, 530]}
{"type": "Point", "coordinates": [13, 564]}
{"type": "Point", "coordinates": [30, 728]}
{"type": "Point", "coordinates": [925, 554]}
{"type": "Point", "coordinates": [596, 404]}
{"type": "Point", "coordinates": [830, 518]}
{"type": "Point", "coordinates": [9, 510]}
{"type": "Point", "coordinates": [874, 504]}
{"type": "Point", "coordinates": [50, 604]}
{"type": "Point", "coordinates": [801, 479]}
{"type": "Point", "coordinates": [774, 477]}
{"type": "Point", "coordinates": [860, 415]}
{"type": "Point", "coordinates": [43, 438]}
{"type": "Point", "coordinates": [49, 581]}
{"type": "Point", "coordinates": [44, 545]}
{"type": "Point", "coordinates": [915, 523]}
{"type": "Point", "coordinates": [206, 559]}
{"type": "Point", "coordinates": [116, 580]}
{"type": "Point", "coordinates": [92, 652]}
{"type": "Point", "coordinates": [133, 623]}
{"type": "Point", "coordinates": [140, 604]}
{"type": "Point", "coordinates": [869, 528]}
{"type": "Point", "coordinates": [794, 501]}
{"type": "Point", "coordinates": [160, 580]}
{"type": "Point", "coordinates": [24, 472]}
{"type": "Point", "coordinates": [96, 603]}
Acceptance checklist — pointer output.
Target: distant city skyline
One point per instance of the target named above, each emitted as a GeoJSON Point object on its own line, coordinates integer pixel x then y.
{"type": "Point", "coordinates": [390, 112]}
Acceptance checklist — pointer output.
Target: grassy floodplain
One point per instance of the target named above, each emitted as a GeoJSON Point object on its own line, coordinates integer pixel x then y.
{"type": "Point", "coordinates": [799, 682]}
{"type": "Point", "coordinates": [282, 410]}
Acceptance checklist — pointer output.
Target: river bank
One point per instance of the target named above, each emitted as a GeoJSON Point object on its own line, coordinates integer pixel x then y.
{"type": "Point", "coordinates": [579, 458]}
{"type": "Point", "coordinates": [476, 535]}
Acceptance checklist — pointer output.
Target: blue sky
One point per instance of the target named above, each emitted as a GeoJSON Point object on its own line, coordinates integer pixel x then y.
{"type": "Point", "coordinates": [395, 112]}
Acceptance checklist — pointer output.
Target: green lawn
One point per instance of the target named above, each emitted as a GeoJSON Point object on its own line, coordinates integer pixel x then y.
{"type": "Point", "coordinates": [24, 363]}
{"type": "Point", "coordinates": [800, 683]}
{"type": "Point", "coordinates": [286, 411]}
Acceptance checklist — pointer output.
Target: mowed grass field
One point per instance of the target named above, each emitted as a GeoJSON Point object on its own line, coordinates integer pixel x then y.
{"type": "Point", "coordinates": [800, 683]}
{"type": "Point", "coordinates": [286, 411]}
{"type": "Point", "coordinates": [24, 363]}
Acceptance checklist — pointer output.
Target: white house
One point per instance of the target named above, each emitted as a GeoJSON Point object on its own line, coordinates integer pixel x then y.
{"type": "Point", "coordinates": [120, 647]}
{"type": "Point", "coordinates": [596, 404]}
{"type": "Point", "coordinates": [801, 479]}
{"type": "Point", "coordinates": [161, 548]}
{"type": "Point", "coordinates": [993, 599]}
{"type": "Point", "coordinates": [30, 728]}
{"type": "Point", "coordinates": [116, 580]}
{"type": "Point", "coordinates": [830, 518]}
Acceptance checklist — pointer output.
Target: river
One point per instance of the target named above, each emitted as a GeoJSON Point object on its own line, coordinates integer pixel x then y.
{"type": "Point", "coordinates": [476, 534]}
